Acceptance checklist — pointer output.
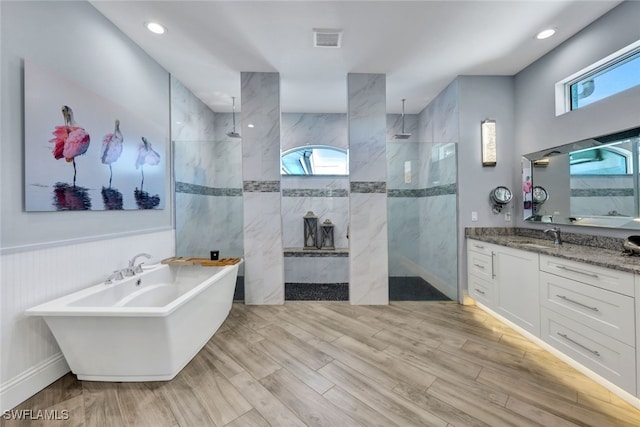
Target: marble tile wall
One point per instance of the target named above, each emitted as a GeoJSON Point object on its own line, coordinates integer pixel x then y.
{"type": "Point", "coordinates": [316, 269]}
{"type": "Point", "coordinates": [327, 197]}
{"type": "Point", "coordinates": [191, 119]}
{"type": "Point", "coordinates": [208, 181]}
{"type": "Point", "coordinates": [263, 247]}
{"type": "Point", "coordinates": [394, 126]}
{"type": "Point", "coordinates": [422, 213]}
{"type": "Point", "coordinates": [438, 127]}
{"type": "Point", "coordinates": [602, 195]}
{"type": "Point", "coordinates": [368, 241]}
{"type": "Point", "coordinates": [314, 128]}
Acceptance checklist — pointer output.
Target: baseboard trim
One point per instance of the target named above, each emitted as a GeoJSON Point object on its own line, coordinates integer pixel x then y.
{"type": "Point", "coordinates": [31, 381]}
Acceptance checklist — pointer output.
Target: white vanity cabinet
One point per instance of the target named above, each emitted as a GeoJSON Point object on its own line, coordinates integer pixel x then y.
{"type": "Point", "coordinates": [588, 313]}
{"type": "Point", "coordinates": [480, 258]}
{"type": "Point", "coordinates": [517, 295]}
{"type": "Point", "coordinates": [506, 281]}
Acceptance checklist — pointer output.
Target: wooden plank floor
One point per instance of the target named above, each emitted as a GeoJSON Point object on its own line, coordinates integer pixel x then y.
{"type": "Point", "coordinates": [333, 364]}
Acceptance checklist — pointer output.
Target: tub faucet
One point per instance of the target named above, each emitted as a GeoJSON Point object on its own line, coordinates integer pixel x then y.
{"type": "Point", "coordinates": [116, 275]}
{"type": "Point", "coordinates": [557, 238]}
{"type": "Point", "coordinates": [133, 269]}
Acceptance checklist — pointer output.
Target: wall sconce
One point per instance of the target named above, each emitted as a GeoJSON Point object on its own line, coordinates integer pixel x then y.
{"type": "Point", "coordinates": [310, 230]}
{"type": "Point", "coordinates": [488, 128]}
{"type": "Point", "coordinates": [327, 235]}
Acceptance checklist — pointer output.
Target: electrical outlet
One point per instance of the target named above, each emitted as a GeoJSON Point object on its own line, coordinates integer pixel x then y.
{"type": "Point", "coordinates": [507, 216]}
{"type": "Point", "coordinates": [474, 216]}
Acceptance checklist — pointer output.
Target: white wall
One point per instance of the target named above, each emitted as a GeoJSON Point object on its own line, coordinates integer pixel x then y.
{"type": "Point", "coordinates": [537, 125]}
{"type": "Point", "coordinates": [49, 254]}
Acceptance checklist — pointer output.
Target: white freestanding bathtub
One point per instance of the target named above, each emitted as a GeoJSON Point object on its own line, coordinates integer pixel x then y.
{"type": "Point", "coordinates": [143, 328]}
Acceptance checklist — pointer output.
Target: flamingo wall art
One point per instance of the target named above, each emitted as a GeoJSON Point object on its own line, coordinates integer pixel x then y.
{"type": "Point", "coordinates": [126, 171]}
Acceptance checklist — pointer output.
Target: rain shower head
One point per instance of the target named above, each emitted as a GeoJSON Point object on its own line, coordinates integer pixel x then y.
{"type": "Point", "coordinates": [403, 134]}
{"type": "Point", "coordinates": [233, 133]}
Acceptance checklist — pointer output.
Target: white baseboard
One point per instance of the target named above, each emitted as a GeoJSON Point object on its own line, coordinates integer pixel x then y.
{"type": "Point", "coordinates": [623, 394]}
{"type": "Point", "coordinates": [28, 383]}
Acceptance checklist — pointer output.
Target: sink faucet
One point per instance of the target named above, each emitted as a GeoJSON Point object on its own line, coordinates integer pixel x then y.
{"type": "Point", "coordinates": [557, 238]}
{"type": "Point", "coordinates": [132, 269]}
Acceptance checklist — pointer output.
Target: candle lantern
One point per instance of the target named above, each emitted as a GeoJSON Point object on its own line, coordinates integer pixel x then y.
{"type": "Point", "coordinates": [327, 235]}
{"type": "Point", "coordinates": [310, 230]}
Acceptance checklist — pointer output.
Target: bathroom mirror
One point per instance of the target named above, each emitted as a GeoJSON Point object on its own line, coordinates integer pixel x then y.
{"type": "Point", "coordinates": [313, 160]}
{"type": "Point", "coordinates": [593, 182]}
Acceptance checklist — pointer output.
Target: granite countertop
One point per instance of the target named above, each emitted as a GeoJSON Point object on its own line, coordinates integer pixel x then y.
{"type": "Point", "coordinates": [594, 255]}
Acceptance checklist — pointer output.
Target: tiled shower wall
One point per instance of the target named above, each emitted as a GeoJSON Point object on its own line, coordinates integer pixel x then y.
{"type": "Point", "coordinates": [327, 197]}
{"type": "Point", "coordinates": [208, 178]}
{"type": "Point", "coordinates": [439, 130]}
{"type": "Point", "coordinates": [262, 231]}
{"type": "Point", "coordinates": [368, 244]}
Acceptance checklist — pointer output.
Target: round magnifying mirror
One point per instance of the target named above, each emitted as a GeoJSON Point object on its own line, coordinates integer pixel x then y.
{"type": "Point", "coordinates": [539, 195]}
{"type": "Point", "coordinates": [501, 195]}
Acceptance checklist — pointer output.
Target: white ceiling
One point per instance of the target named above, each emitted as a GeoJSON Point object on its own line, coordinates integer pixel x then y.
{"type": "Point", "coordinates": [420, 45]}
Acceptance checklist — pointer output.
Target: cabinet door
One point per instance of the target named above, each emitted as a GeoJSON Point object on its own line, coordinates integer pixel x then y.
{"type": "Point", "coordinates": [517, 295]}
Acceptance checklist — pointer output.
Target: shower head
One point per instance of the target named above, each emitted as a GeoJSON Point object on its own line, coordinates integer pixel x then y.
{"type": "Point", "coordinates": [403, 134]}
{"type": "Point", "coordinates": [233, 133]}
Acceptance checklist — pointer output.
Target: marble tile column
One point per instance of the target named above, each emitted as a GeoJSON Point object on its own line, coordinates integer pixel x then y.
{"type": "Point", "coordinates": [368, 252]}
{"type": "Point", "coordinates": [263, 250]}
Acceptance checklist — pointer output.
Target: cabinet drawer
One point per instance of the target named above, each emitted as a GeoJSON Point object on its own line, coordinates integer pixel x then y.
{"type": "Point", "coordinates": [478, 246]}
{"type": "Point", "coordinates": [613, 280]}
{"type": "Point", "coordinates": [480, 265]}
{"type": "Point", "coordinates": [607, 312]}
{"type": "Point", "coordinates": [482, 291]}
{"type": "Point", "coordinates": [604, 355]}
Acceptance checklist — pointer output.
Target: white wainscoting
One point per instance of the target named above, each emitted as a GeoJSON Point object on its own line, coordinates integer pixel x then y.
{"type": "Point", "coordinates": [29, 355]}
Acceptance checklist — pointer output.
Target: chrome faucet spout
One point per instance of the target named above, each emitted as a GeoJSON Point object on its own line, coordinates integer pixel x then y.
{"type": "Point", "coordinates": [557, 237]}
{"type": "Point", "coordinates": [132, 261]}
{"type": "Point", "coordinates": [133, 269]}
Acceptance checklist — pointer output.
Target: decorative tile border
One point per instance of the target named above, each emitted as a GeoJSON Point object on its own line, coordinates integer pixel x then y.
{"type": "Point", "coordinates": [368, 187]}
{"type": "Point", "coordinates": [317, 253]}
{"type": "Point", "coordinates": [183, 187]}
{"type": "Point", "coordinates": [441, 190]}
{"type": "Point", "coordinates": [314, 192]}
{"type": "Point", "coordinates": [416, 192]}
{"type": "Point", "coordinates": [602, 192]}
{"type": "Point", "coordinates": [261, 186]}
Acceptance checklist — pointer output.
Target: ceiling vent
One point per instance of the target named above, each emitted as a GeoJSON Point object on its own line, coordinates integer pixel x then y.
{"type": "Point", "coordinates": [323, 37]}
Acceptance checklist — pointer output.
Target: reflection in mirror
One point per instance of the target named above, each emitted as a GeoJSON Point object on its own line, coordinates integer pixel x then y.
{"type": "Point", "coordinates": [592, 182]}
{"type": "Point", "coordinates": [311, 160]}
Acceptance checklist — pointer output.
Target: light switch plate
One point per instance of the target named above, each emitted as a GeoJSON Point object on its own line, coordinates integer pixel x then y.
{"type": "Point", "coordinates": [474, 216]}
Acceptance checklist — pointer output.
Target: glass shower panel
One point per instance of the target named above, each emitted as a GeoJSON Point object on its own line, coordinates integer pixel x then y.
{"type": "Point", "coordinates": [422, 222]}
{"type": "Point", "coordinates": [208, 198]}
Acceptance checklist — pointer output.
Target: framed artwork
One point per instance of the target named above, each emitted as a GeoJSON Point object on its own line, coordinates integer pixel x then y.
{"type": "Point", "coordinates": [85, 152]}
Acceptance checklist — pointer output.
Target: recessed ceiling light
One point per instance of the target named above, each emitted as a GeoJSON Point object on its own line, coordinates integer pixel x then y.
{"type": "Point", "coordinates": [154, 27]}
{"type": "Point", "coordinates": [250, 125]}
{"type": "Point", "coordinates": [545, 34]}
